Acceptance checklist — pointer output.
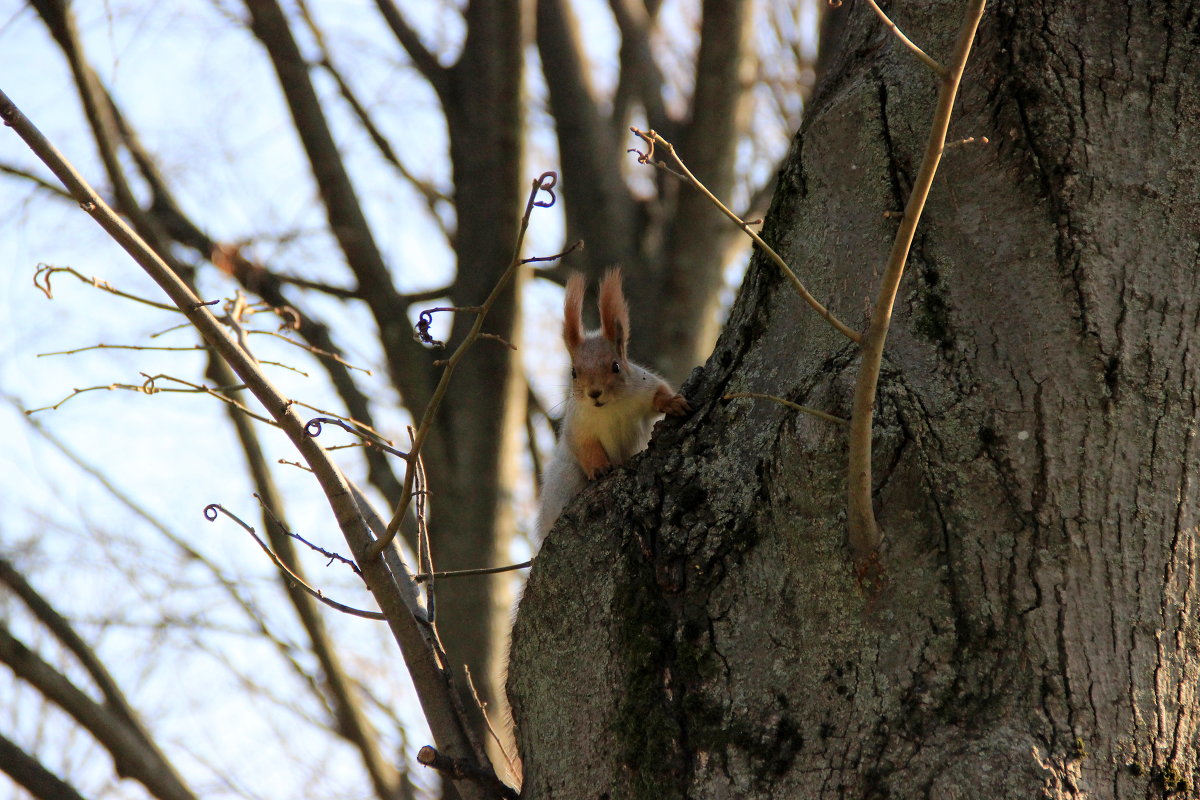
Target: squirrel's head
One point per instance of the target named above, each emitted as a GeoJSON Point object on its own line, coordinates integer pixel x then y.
{"type": "Point", "coordinates": [599, 368]}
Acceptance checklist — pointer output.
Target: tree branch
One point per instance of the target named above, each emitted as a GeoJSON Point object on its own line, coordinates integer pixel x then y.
{"type": "Point", "coordinates": [433, 198]}
{"type": "Point", "coordinates": [417, 644]}
{"type": "Point", "coordinates": [348, 719]}
{"type": "Point", "coordinates": [684, 174]}
{"type": "Point", "coordinates": [904, 40]}
{"type": "Point", "coordinates": [865, 535]}
{"type": "Point", "coordinates": [134, 755]}
{"type": "Point", "coordinates": [425, 62]}
{"type": "Point", "coordinates": [640, 78]}
{"type": "Point", "coordinates": [29, 773]}
{"type": "Point", "coordinates": [346, 218]}
{"type": "Point", "coordinates": [599, 207]}
{"type": "Point", "coordinates": [546, 183]}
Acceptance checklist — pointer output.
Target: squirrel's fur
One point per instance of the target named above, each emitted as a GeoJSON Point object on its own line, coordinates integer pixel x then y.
{"type": "Point", "coordinates": [612, 405]}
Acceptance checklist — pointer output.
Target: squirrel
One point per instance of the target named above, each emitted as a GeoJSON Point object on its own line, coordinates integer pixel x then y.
{"type": "Point", "coordinates": [612, 405]}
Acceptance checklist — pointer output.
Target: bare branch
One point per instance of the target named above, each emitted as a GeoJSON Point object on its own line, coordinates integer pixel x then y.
{"type": "Point", "coordinates": [545, 182]}
{"type": "Point", "coordinates": [510, 759]}
{"type": "Point", "coordinates": [640, 78]}
{"type": "Point", "coordinates": [795, 406]}
{"type": "Point", "coordinates": [422, 577]}
{"type": "Point", "coordinates": [211, 514]}
{"type": "Point", "coordinates": [433, 198]}
{"type": "Point", "coordinates": [316, 351]}
{"type": "Point", "coordinates": [425, 62]}
{"type": "Point", "coordinates": [45, 271]}
{"type": "Point", "coordinates": [133, 754]}
{"type": "Point", "coordinates": [865, 535]}
{"type": "Point", "coordinates": [36, 180]}
{"type": "Point", "coordinates": [462, 770]}
{"type": "Point", "coordinates": [918, 52]}
{"type": "Point", "coordinates": [29, 773]}
{"type": "Point", "coordinates": [654, 140]}
{"type": "Point", "coordinates": [445, 715]}
{"type": "Point", "coordinates": [369, 435]}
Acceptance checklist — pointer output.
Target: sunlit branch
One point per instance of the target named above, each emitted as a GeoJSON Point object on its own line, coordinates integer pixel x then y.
{"type": "Point", "coordinates": [422, 577]}
{"type": "Point", "coordinates": [332, 556]}
{"type": "Point", "coordinates": [865, 535]}
{"type": "Point", "coordinates": [918, 52]}
{"type": "Point", "coordinates": [683, 173]}
{"type": "Point", "coordinates": [370, 437]}
{"type": "Point", "coordinates": [45, 271]}
{"type": "Point", "coordinates": [316, 351]}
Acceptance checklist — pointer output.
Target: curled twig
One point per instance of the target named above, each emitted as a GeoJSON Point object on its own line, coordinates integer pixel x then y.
{"type": "Point", "coordinates": [543, 183]}
{"type": "Point", "coordinates": [41, 279]}
{"type": "Point", "coordinates": [373, 439]}
{"type": "Point", "coordinates": [213, 510]}
{"type": "Point", "coordinates": [425, 319]}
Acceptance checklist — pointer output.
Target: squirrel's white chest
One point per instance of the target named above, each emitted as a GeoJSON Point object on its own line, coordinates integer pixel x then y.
{"type": "Point", "coordinates": [622, 427]}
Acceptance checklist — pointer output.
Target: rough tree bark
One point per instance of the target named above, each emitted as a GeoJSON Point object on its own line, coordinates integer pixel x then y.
{"type": "Point", "coordinates": [694, 627]}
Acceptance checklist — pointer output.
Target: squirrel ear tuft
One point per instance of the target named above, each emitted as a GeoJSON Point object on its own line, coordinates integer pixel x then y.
{"type": "Point", "coordinates": [614, 311]}
{"type": "Point", "coordinates": [573, 312]}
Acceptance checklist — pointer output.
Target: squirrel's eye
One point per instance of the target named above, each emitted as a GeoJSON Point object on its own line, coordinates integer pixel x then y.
{"type": "Point", "coordinates": [616, 367]}
{"type": "Point", "coordinates": [573, 375]}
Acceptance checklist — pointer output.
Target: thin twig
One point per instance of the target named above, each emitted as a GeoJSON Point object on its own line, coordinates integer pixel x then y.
{"type": "Point", "coordinates": [103, 346]}
{"type": "Point", "coordinates": [918, 52]}
{"type": "Point", "coordinates": [315, 548]}
{"type": "Point", "coordinates": [424, 544]}
{"type": "Point", "coordinates": [654, 140]}
{"type": "Point", "coordinates": [806, 409]}
{"type": "Point", "coordinates": [422, 577]}
{"type": "Point", "coordinates": [148, 387]}
{"type": "Point", "coordinates": [578, 245]}
{"type": "Point", "coordinates": [369, 435]}
{"type": "Point", "coordinates": [211, 514]}
{"type": "Point", "coordinates": [544, 183]}
{"type": "Point", "coordinates": [44, 271]}
{"type": "Point", "coordinates": [316, 351]}
{"type": "Point", "coordinates": [509, 760]}
{"type": "Point", "coordinates": [37, 180]}
{"type": "Point", "coordinates": [865, 535]}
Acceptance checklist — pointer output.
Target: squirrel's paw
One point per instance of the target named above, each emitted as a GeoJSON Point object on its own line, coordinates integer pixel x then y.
{"type": "Point", "coordinates": [592, 459]}
{"type": "Point", "coordinates": [676, 406]}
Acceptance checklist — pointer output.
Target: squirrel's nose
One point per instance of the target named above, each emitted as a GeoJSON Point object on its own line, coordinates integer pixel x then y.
{"type": "Point", "coordinates": [594, 393]}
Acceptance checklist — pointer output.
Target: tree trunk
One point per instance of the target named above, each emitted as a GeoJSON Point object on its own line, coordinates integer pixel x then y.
{"type": "Point", "coordinates": [694, 626]}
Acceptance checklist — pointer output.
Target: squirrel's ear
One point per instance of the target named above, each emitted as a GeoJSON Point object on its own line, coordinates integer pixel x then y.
{"type": "Point", "coordinates": [573, 312]}
{"type": "Point", "coordinates": [614, 311]}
